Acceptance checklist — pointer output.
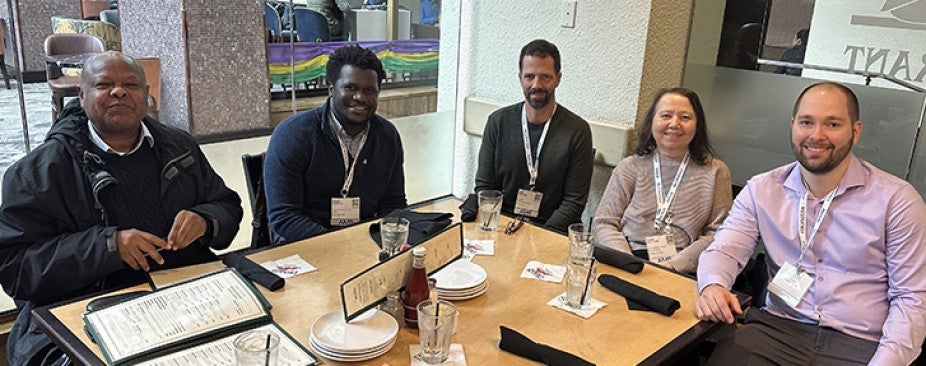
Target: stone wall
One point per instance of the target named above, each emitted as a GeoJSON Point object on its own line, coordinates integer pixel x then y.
{"type": "Point", "coordinates": [214, 77]}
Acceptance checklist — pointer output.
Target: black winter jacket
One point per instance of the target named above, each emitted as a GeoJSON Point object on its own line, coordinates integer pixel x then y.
{"type": "Point", "coordinates": [53, 229]}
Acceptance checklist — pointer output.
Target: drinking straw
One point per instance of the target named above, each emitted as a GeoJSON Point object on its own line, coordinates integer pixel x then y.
{"type": "Point", "coordinates": [588, 281]}
{"type": "Point", "coordinates": [492, 214]}
{"type": "Point", "coordinates": [267, 351]}
{"type": "Point", "coordinates": [436, 318]}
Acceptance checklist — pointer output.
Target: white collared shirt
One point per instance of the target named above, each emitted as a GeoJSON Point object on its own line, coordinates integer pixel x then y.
{"type": "Point", "coordinates": [98, 141]}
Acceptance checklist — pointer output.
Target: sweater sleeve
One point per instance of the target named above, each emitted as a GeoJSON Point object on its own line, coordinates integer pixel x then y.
{"type": "Point", "coordinates": [614, 201]}
{"type": "Point", "coordinates": [485, 173]}
{"type": "Point", "coordinates": [578, 179]}
{"type": "Point", "coordinates": [686, 261]}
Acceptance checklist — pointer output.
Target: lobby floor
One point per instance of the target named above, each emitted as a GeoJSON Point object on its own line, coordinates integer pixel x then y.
{"type": "Point", "coordinates": [427, 160]}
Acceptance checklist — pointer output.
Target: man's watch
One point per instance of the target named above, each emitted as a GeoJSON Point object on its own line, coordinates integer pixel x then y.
{"type": "Point", "coordinates": [111, 243]}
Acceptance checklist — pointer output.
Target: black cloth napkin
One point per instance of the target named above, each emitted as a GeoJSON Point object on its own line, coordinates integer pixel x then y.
{"type": "Point", "coordinates": [639, 298]}
{"type": "Point", "coordinates": [469, 208]}
{"type": "Point", "coordinates": [253, 271]}
{"type": "Point", "coordinates": [517, 343]}
{"type": "Point", "coordinates": [619, 259]}
{"type": "Point", "coordinates": [421, 225]}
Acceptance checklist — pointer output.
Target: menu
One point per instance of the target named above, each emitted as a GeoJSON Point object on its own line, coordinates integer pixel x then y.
{"type": "Point", "coordinates": [366, 289]}
{"type": "Point", "coordinates": [178, 317]}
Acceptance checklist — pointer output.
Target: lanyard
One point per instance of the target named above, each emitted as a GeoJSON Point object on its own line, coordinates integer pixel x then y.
{"type": "Point", "coordinates": [802, 217]}
{"type": "Point", "coordinates": [532, 165]}
{"type": "Point", "coordinates": [348, 166]}
{"type": "Point", "coordinates": [663, 203]}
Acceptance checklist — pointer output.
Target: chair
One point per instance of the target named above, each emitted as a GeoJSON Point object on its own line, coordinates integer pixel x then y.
{"type": "Point", "coordinates": [260, 224]}
{"type": "Point", "coordinates": [66, 44]}
{"type": "Point", "coordinates": [152, 68]}
{"type": "Point", "coordinates": [107, 32]}
{"type": "Point", "coordinates": [311, 26]}
{"type": "Point", "coordinates": [272, 23]}
{"type": "Point", "coordinates": [110, 16]}
{"type": "Point", "coordinates": [90, 9]}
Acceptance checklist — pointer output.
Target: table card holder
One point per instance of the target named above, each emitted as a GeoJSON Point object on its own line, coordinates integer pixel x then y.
{"type": "Point", "coordinates": [368, 288]}
{"type": "Point", "coordinates": [207, 310]}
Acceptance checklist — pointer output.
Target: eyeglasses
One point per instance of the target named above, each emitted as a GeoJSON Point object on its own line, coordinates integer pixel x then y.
{"type": "Point", "coordinates": [514, 225]}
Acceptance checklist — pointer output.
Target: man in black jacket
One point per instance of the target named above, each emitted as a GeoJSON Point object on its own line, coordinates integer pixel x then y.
{"type": "Point", "coordinates": [109, 196]}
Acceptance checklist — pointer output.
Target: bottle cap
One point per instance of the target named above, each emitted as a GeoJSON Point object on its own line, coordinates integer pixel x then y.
{"type": "Point", "coordinates": [418, 251]}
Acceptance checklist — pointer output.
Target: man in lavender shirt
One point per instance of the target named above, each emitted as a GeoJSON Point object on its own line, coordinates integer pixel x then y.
{"type": "Point", "coordinates": [851, 289]}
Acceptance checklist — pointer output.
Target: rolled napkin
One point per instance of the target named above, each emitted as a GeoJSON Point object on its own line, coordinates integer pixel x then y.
{"type": "Point", "coordinates": [639, 298]}
{"type": "Point", "coordinates": [469, 208]}
{"type": "Point", "coordinates": [421, 225]}
{"type": "Point", "coordinates": [253, 271]}
{"type": "Point", "coordinates": [619, 259]}
{"type": "Point", "coordinates": [517, 343]}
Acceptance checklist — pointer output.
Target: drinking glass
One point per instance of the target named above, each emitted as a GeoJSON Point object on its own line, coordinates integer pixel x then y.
{"type": "Point", "coordinates": [581, 241]}
{"type": "Point", "coordinates": [580, 276]}
{"type": "Point", "coordinates": [436, 323]}
{"type": "Point", "coordinates": [257, 348]}
{"type": "Point", "coordinates": [490, 206]}
{"type": "Point", "coordinates": [394, 233]}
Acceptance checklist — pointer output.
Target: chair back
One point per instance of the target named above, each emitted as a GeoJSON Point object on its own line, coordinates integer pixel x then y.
{"type": "Point", "coordinates": [90, 9]}
{"type": "Point", "coordinates": [311, 26]}
{"type": "Point", "coordinates": [152, 69]}
{"type": "Point", "coordinates": [69, 44]}
{"type": "Point", "coordinates": [110, 16]}
{"type": "Point", "coordinates": [272, 22]}
{"type": "Point", "coordinates": [260, 223]}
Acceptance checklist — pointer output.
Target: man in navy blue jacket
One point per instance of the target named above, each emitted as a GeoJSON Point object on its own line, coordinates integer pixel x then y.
{"type": "Point", "coordinates": [337, 164]}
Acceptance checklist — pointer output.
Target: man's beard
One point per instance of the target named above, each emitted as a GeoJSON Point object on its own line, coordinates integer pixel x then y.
{"type": "Point", "coordinates": [836, 157]}
{"type": "Point", "coordinates": [538, 103]}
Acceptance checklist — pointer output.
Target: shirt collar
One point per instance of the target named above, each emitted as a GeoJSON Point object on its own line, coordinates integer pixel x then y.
{"type": "Point", "coordinates": [856, 175]}
{"type": "Point", "coordinates": [98, 141]}
{"type": "Point", "coordinates": [339, 130]}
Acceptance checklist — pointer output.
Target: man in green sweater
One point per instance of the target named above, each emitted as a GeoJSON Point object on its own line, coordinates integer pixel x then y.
{"type": "Point", "coordinates": [538, 153]}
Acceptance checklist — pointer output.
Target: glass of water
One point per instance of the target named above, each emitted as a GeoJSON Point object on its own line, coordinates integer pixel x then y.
{"type": "Point", "coordinates": [490, 206]}
{"type": "Point", "coordinates": [436, 322]}
{"type": "Point", "coordinates": [394, 233]}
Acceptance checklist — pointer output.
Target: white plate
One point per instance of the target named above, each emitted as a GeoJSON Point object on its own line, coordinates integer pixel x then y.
{"type": "Point", "coordinates": [350, 358]}
{"type": "Point", "coordinates": [349, 353]}
{"type": "Point", "coordinates": [480, 288]}
{"type": "Point", "coordinates": [368, 332]}
{"type": "Point", "coordinates": [461, 297]}
{"type": "Point", "coordinates": [461, 274]}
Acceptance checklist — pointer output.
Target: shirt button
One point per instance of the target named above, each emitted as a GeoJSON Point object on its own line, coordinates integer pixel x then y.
{"type": "Point", "coordinates": [820, 278]}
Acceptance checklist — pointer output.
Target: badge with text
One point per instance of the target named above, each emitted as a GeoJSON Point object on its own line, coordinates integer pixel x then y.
{"type": "Point", "coordinates": [345, 211]}
{"type": "Point", "coordinates": [790, 284]}
{"type": "Point", "coordinates": [528, 203]}
{"type": "Point", "coordinates": [660, 248]}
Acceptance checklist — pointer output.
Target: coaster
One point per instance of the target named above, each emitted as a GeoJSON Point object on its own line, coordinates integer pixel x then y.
{"type": "Point", "coordinates": [456, 357]}
{"type": "Point", "coordinates": [593, 305]}
{"type": "Point", "coordinates": [289, 266]}
{"type": "Point", "coordinates": [544, 272]}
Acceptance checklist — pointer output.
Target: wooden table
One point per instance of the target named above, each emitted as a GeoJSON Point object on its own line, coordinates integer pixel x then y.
{"type": "Point", "coordinates": [613, 336]}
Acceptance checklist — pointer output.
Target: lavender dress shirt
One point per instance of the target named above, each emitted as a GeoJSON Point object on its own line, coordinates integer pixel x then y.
{"type": "Point", "coordinates": [868, 258]}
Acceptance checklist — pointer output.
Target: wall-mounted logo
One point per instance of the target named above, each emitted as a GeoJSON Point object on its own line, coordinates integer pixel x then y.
{"type": "Point", "coordinates": [903, 14]}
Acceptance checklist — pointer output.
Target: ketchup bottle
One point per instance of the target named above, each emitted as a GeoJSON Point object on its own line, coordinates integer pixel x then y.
{"type": "Point", "coordinates": [416, 288]}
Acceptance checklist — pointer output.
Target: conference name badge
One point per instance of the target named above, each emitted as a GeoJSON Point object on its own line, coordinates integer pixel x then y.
{"type": "Point", "coordinates": [528, 203]}
{"type": "Point", "coordinates": [790, 284]}
{"type": "Point", "coordinates": [345, 211]}
{"type": "Point", "coordinates": [660, 248]}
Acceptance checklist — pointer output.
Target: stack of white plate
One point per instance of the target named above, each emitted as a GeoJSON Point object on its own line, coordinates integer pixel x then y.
{"type": "Point", "coordinates": [461, 280]}
{"type": "Point", "coordinates": [370, 335]}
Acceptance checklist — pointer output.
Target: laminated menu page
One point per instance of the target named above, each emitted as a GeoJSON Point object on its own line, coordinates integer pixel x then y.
{"type": "Point", "coordinates": [181, 317]}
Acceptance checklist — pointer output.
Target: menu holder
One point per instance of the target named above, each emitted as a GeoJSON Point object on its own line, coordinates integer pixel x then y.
{"type": "Point", "coordinates": [366, 289]}
{"type": "Point", "coordinates": [198, 317]}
